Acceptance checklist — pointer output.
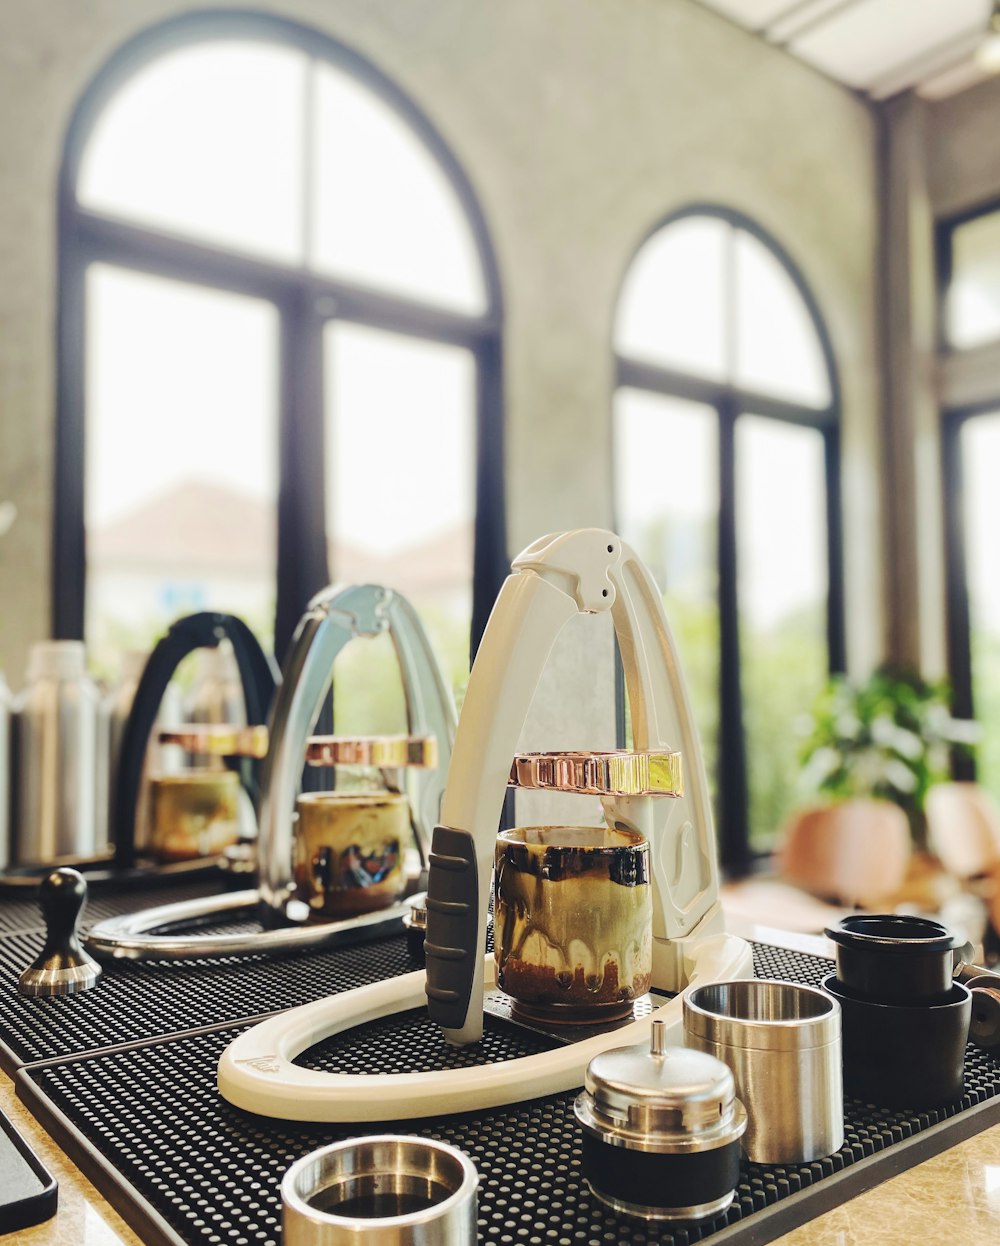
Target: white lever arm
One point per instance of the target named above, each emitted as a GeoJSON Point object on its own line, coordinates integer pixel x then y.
{"type": "Point", "coordinates": [257, 1073]}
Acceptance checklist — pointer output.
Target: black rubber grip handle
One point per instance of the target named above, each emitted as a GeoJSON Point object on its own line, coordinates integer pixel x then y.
{"type": "Point", "coordinates": [452, 926]}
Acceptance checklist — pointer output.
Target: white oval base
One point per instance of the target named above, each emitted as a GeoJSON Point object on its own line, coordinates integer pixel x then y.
{"type": "Point", "coordinates": [257, 1073]}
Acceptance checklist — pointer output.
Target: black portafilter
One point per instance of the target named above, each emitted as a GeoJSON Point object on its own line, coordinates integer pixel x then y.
{"type": "Point", "coordinates": [62, 967]}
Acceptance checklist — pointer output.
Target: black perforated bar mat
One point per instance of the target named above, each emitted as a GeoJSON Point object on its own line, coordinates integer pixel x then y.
{"type": "Point", "coordinates": [137, 1001]}
{"type": "Point", "coordinates": [183, 1166]}
{"type": "Point", "coordinates": [21, 912]}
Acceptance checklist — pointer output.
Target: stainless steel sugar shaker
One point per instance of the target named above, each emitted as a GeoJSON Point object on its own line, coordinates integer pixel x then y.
{"type": "Point", "coordinates": [56, 752]}
{"type": "Point", "coordinates": [783, 1044]}
{"type": "Point", "coordinates": [661, 1131]}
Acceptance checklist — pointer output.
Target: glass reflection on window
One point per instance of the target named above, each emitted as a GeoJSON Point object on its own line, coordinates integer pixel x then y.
{"type": "Point", "coordinates": [181, 454]}
{"type": "Point", "coordinates": [782, 541]}
{"type": "Point", "coordinates": [670, 518]}
{"type": "Point", "coordinates": [980, 448]}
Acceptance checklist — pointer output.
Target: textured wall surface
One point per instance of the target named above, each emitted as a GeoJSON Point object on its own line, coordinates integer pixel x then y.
{"type": "Point", "coordinates": [963, 154]}
{"type": "Point", "coordinates": [580, 124]}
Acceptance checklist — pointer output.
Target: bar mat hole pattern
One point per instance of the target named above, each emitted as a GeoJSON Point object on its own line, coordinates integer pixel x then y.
{"type": "Point", "coordinates": [213, 1172]}
{"type": "Point", "coordinates": [135, 1001]}
{"type": "Point", "coordinates": [411, 1042]}
{"type": "Point", "coordinates": [21, 912]}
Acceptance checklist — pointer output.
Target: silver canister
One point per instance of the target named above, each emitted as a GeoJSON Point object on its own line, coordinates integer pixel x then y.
{"type": "Point", "coordinates": [661, 1131]}
{"type": "Point", "coordinates": [56, 750]}
{"type": "Point", "coordinates": [386, 1190]}
{"type": "Point", "coordinates": [783, 1044]}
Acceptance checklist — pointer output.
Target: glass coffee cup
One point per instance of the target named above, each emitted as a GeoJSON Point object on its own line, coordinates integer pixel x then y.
{"type": "Point", "coordinates": [194, 814]}
{"type": "Point", "coordinates": [350, 850]}
{"type": "Point", "coordinates": [572, 923]}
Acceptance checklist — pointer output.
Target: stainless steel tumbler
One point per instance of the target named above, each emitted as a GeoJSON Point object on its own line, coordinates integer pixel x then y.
{"type": "Point", "coordinates": [384, 1190]}
{"type": "Point", "coordinates": [783, 1044]}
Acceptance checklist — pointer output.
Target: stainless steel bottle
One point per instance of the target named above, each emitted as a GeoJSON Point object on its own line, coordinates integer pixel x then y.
{"type": "Point", "coordinates": [56, 756]}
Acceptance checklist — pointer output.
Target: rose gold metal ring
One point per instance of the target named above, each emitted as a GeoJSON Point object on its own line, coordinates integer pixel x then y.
{"type": "Point", "coordinates": [617, 773]}
{"type": "Point", "coordinates": [384, 752]}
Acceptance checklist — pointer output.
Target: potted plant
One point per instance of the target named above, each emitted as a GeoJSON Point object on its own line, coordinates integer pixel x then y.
{"type": "Point", "coordinates": [889, 738]}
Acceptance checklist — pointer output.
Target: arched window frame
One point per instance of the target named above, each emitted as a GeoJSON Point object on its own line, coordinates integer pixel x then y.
{"type": "Point", "coordinates": [730, 402]}
{"type": "Point", "coordinates": [305, 302]}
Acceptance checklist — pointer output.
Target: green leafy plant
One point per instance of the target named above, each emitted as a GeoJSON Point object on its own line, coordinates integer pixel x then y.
{"type": "Point", "coordinates": [889, 738]}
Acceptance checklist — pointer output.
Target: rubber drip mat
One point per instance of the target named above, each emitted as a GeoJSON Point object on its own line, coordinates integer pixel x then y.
{"type": "Point", "coordinates": [19, 913]}
{"type": "Point", "coordinates": [184, 1166]}
{"type": "Point", "coordinates": [138, 1001]}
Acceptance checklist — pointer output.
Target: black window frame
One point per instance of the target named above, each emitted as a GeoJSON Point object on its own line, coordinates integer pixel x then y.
{"type": "Point", "coordinates": [730, 402]}
{"type": "Point", "coordinates": [305, 303]}
{"type": "Point", "coordinates": [944, 249]}
{"type": "Point", "coordinates": [958, 618]}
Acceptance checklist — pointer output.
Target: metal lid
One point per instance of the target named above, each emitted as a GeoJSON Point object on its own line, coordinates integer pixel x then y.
{"type": "Point", "coordinates": [659, 1098]}
{"type": "Point", "coordinates": [891, 932]}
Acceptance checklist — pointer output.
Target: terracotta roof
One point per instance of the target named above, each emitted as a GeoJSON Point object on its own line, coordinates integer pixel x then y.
{"type": "Point", "coordinates": [198, 524]}
{"type": "Point", "coordinates": [208, 527]}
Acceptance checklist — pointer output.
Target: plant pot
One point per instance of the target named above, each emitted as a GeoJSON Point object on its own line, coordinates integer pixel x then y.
{"type": "Point", "coordinates": [854, 853]}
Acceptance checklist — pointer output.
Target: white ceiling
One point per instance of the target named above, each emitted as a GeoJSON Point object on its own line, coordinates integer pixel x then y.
{"type": "Point", "coordinates": [879, 47]}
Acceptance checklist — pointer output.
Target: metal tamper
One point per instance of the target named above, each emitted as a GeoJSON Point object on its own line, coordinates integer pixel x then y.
{"type": "Point", "coordinates": [62, 967]}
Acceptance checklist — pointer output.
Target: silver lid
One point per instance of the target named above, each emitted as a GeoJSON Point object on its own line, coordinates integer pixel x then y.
{"type": "Point", "coordinates": [658, 1098]}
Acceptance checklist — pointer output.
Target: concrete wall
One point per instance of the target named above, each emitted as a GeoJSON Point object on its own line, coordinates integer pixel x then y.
{"type": "Point", "coordinates": [580, 123]}
{"type": "Point", "coordinates": [941, 158]}
{"type": "Point", "coordinates": [963, 149]}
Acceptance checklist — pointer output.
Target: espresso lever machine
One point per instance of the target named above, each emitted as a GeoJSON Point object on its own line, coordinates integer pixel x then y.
{"type": "Point", "coordinates": [592, 572]}
{"type": "Point", "coordinates": [204, 630]}
{"type": "Point", "coordinates": [333, 618]}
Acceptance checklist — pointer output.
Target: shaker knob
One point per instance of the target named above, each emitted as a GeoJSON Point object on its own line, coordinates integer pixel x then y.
{"type": "Point", "coordinates": [62, 967]}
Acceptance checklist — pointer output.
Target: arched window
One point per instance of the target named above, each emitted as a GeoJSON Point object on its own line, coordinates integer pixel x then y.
{"type": "Point", "coordinates": [726, 437]}
{"type": "Point", "coordinates": [279, 343]}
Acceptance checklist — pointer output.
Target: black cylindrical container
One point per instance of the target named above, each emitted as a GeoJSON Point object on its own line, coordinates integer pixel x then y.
{"type": "Point", "coordinates": [901, 1056]}
{"type": "Point", "coordinates": [661, 1131]}
{"type": "Point", "coordinates": [894, 959]}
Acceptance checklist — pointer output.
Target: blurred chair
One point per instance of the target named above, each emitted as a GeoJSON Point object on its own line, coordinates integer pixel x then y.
{"type": "Point", "coordinates": [963, 828]}
{"type": "Point", "coordinates": [829, 861]}
{"type": "Point", "coordinates": [855, 853]}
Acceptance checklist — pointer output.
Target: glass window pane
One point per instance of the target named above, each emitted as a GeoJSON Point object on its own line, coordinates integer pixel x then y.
{"type": "Point", "coordinates": [972, 312]}
{"type": "Point", "coordinates": [782, 559]}
{"type": "Point", "coordinates": [384, 213]}
{"type": "Point", "coordinates": [181, 454]}
{"type": "Point", "coordinates": [672, 306]}
{"type": "Point", "coordinates": [207, 142]}
{"type": "Point", "coordinates": [777, 348]}
{"type": "Point", "coordinates": [981, 506]}
{"type": "Point", "coordinates": [668, 513]}
{"type": "Point", "coordinates": [401, 476]}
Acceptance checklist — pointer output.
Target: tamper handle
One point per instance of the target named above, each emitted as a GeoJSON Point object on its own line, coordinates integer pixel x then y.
{"type": "Point", "coordinates": [61, 897]}
{"type": "Point", "coordinates": [62, 967]}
